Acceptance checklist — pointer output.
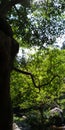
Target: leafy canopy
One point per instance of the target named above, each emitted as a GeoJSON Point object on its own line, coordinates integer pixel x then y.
{"type": "Point", "coordinates": [38, 24]}
{"type": "Point", "coordinates": [47, 68]}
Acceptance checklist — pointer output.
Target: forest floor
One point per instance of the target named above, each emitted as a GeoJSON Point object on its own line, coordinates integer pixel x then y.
{"type": "Point", "coordinates": [20, 126]}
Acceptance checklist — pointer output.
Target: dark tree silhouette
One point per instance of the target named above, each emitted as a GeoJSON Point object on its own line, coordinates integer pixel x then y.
{"type": "Point", "coordinates": [8, 50]}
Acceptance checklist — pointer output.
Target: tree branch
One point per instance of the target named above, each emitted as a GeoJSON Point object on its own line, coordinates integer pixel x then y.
{"type": "Point", "coordinates": [21, 71]}
{"type": "Point", "coordinates": [32, 77]}
{"type": "Point", "coordinates": [48, 82]}
{"type": "Point", "coordinates": [8, 5]}
{"type": "Point", "coordinates": [26, 73]}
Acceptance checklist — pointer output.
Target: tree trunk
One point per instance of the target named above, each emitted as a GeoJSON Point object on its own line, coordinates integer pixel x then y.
{"type": "Point", "coordinates": [6, 116]}
{"type": "Point", "coordinates": [8, 49]}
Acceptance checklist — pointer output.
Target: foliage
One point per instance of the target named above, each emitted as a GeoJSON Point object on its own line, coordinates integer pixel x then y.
{"type": "Point", "coordinates": [39, 24]}
{"type": "Point", "coordinates": [48, 69]}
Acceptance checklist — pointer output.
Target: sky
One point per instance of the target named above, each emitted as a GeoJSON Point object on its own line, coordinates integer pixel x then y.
{"type": "Point", "coordinates": [26, 52]}
{"type": "Point", "coordinates": [60, 40]}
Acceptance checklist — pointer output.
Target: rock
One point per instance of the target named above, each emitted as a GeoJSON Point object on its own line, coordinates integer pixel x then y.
{"type": "Point", "coordinates": [15, 127]}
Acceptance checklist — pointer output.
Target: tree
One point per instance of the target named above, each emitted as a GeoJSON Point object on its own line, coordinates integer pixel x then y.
{"type": "Point", "coordinates": [30, 31]}
{"type": "Point", "coordinates": [8, 50]}
{"type": "Point", "coordinates": [40, 89]}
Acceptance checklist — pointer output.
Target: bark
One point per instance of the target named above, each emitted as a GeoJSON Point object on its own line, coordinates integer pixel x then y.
{"type": "Point", "coordinates": [6, 62]}
{"type": "Point", "coordinates": [8, 49]}
{"type": "Point", "coordinates": [5, 101]}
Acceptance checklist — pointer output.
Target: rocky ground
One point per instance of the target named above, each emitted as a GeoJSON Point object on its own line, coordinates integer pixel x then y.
{"type": "Point", "coordinates": [16, 127]}
{"type": "Point", "coordinates": [21, 123]}
{"type": "Point", "coordinates": [20, 126]}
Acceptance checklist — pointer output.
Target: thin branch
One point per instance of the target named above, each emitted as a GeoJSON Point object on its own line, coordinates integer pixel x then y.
{"type": "Point", "coordinates": [17, 11]}
{"type": "Point", "coordinates": [21, 71]}
{"type": "Point", "coordinates": [32, 77]}
{"type": "Point", "coordinates": [26, 73]}
{"type": "Point", "coordinates": [48, 82]}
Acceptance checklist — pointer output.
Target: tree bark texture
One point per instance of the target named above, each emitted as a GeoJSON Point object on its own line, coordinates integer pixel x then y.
{"type": "Point", "coordinates": [6, 61]}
